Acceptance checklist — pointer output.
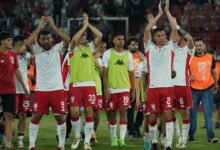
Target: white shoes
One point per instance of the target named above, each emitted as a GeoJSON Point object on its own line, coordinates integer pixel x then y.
{"type": "Point", "coordinates": [75, 143]}
{"type": "Point", "coordinates": [182, 145]}
{"type": "Point", "coordinates": [178, 141]}
{"type": "Point", "coordinates": [87, 146]}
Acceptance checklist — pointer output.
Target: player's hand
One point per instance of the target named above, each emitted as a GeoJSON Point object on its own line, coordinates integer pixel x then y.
{"type": "Point", "coordinates": [97, 55]}
{"type": "Point", "coordinates": [137, 104]}
{"type": "Point", "coordinates": [26, 91]}
{"type": "Point", "coordinates": [51, 21]}
{"type": "Point", "coordinates": [42, 23]}
{"type": "Point", "coordinates": [107, 95]}
{"type": "Point", "coordinates": [173, 74]}
{"type": "Point", "coordinates": [192, 78]}
{"type": "Point", "coordinates": [167, 6]}
{"type": "Point", "coordinates": [85, 19]}
{"type": "Point", "coordinates": [160, 10]}
{"type": "Point", "coordinates": [215, 88]}
{"type": "Point", "coordinates": [150, 17]}
{"type": "Point", "coordinates": [132, 95]}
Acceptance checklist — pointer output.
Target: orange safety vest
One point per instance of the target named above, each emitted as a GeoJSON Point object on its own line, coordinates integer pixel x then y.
{"type": "Point", "coordinates": [31, 72]}
{"type": "Point", "coordinates": [217, 68]}
{"type": "Point", "coordinates": [136, 60]}
{"type": "Point", "coordinates": [200, 69]}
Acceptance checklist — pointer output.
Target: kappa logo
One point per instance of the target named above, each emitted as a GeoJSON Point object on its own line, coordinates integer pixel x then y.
{"type": "Point", "coordinates": [119, 62]}
{"type": "Point", "coordinates": [84, 55]}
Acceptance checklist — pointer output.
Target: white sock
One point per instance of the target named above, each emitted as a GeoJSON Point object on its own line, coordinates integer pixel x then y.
{"type": "Point", "coordinates": [153, 133]}
{"type": "Point", "coordinates": [169, 133]}
{"type": "Point", "coordinates": [81, 124]}
{"type": "Point", "coordinates": [20, 138]}
{"type": "Point", "coordinates": [33, 131]}
{"type": "Point", "coordinates": [76, 127]}
{"type": "Point", "coordinates": [113, 129]}
{"type": "Point", "coordinates": [123, 129]}
{"type": "Point", "coordinates": [185, 132]}
{"type": "Point", "coordinates": [146, 137]}
{"type": "Point", "coordinates": [88, 131]}
{"type": "Point", "coordinates": [176, 128]}
{"type": "Point", "coordinates": [61, 132]}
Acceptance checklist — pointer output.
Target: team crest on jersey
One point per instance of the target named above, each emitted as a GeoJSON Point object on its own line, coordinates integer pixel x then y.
{"type": "Point", "coordinates": [72, 99]}
{"type": "Point", "coordinates": [111, 105]}
{"type": "Point", "coordinates": [35, 106]}
{"type": "Point", "coordinates": [12, 59]}
{"type": "Point", "coordinates": [153, 106]}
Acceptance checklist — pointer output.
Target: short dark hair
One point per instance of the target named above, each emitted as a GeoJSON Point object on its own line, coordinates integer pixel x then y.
{"type": "Point", "coordinates": [19, 38]}
{"type": "Point", "coordinates": [157, 30]}
{"type": "Point", "coordinates": [199, 39]}
{"type": "Point", "coordinates": [43, 32]}
{"type": "Point", "coordinates": [118, 34]}
{"type": "Point", "coordinates": [131, 39]}
{"type": "Point", "coordinates": [4, 35]}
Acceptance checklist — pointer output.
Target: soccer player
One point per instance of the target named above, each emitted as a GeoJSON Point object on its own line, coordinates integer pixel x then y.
{"type": "Point", "coordinates": [117, 72]}
{"type": "Point", "coordinates": [66, 80]}
{"type": "Point", "coordinates": [183, 98]}
{"type": "Point", "coordinates": [82, 80]}
{"type": "Point", "coordinates": [49, 90]}
{"type": "Point", "coordinates": [134, 126]}
{"type": "Point", "coordinates": [23, 100]}
{"type": "Point", "coordinates": [159, 53]}
{"type": "Point", "coordinates": [8, 68]}
{"type": "Point", "coordinates": [98, 76]}
{"type": "Point", "coordinates": [141, 75]}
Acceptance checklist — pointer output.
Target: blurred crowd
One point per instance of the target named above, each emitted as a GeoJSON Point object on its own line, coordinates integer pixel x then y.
{"type": "Point", "coordinates": [24, 15]}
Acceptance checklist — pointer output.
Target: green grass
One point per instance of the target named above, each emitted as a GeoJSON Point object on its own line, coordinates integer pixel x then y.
{"type": "Point", "coordinates": [46, 137]}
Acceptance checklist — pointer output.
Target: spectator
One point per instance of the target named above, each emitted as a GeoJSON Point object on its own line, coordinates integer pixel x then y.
{"type": "Point", "coordinates": [203, 81]}
{"type": "Point", "coordinates": [57, 8]}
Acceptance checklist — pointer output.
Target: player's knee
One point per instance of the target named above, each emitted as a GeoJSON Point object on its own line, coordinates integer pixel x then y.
{"type": "Point", "coordinates": [8, 116]}
{"type": "Point", "coordinates": [36, 118]}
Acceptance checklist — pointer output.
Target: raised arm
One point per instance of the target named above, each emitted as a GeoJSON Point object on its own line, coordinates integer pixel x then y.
{"type": "Point", "coordinates": [31, 39]}
{"type": "Point", "coordinates": [151, 22]}
{"type": "Point", "coordinates": [62, 34]}
{"type": "Point", "coordinates": [187, 36]}
{"type": "Point", "coordinates": [79, 33]}
{"type": "Point", "coordinates": [172, 21]}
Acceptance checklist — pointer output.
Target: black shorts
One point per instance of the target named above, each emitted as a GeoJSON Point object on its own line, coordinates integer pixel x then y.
{"type": "Point", "coordinates": [8, 102]}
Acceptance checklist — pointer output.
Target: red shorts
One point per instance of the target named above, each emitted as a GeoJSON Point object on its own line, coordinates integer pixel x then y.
{"type": "Point", "coordinates": [183, 97]}
{"type": "Point", "coordinates": [67, 96]}
{"type": "Point", "coordinates": [23, 103]}
{"type": "Point", "coordinates": [82, 96]}
{"type": "Point", "coordinates": [160, 99]}
{"type": "Point", "coordinates": [45, 99]}
{"type": "Point", "coordinates": [105, 103]}
{"type": "Point", "coordinates": [143, 107]}
{"type": "Point", "coordinates": [119, 100]}
{"type": "Point", "coordinates": [99, 104]}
